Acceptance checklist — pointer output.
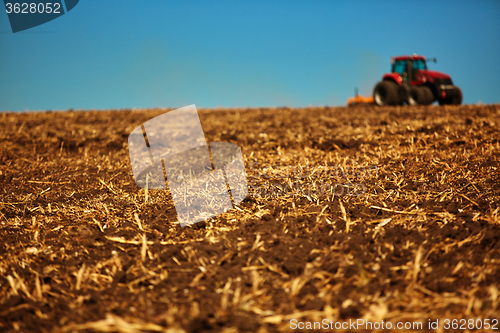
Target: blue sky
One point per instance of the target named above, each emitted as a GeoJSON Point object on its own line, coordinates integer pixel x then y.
{"type": "Point", "coordinates": [156, 53]}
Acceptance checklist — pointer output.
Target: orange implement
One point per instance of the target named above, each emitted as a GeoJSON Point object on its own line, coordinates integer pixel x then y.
{"type": "Point", "coordinates": [359, 100]}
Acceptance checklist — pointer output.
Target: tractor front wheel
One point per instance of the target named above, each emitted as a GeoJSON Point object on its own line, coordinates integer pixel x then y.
{"type": "Point", "coordinates": [454, 99]}
{"type": "Point", "coordinates": [457, 99]}
{"type": "Point", "coordinates": [386, 93]}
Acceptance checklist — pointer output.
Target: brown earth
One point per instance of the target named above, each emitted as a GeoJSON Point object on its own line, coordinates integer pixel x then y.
{"type": "Point", "coordinates": [353, 213]}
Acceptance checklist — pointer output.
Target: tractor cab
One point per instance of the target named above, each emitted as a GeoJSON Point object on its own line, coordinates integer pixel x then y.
{"type": "Point", "coordinates": [407, 66]}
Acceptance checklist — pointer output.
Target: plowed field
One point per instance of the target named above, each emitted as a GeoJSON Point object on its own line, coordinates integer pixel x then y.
{"type": "Point", "coordinates": [357, 213]}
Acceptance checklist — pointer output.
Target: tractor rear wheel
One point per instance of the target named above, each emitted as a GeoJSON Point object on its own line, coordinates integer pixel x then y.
{"type": "Point", "coordinates": [413, 96]}
{"type": "Point", "coordinates": [426, 97]}
{"type": "Point", "coordinates": [386, 93]}
{"type": "Point", "coordinates": [404, 93]}
{"type": "Point", "coordinates": [421, 95]}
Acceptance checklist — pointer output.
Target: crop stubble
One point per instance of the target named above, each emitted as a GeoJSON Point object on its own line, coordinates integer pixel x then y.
{"type": "Point", "coordinates": [84, 249]}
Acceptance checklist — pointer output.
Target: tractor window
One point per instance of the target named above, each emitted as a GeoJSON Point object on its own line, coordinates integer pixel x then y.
{"type": "Point", "coordinates": [400, 67]}
{"type": "Point", "coordinates": [419, 64]}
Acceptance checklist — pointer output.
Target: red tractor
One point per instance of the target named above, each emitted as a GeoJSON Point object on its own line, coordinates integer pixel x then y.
{"type": "Point", "coordinates": [412, 83]}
